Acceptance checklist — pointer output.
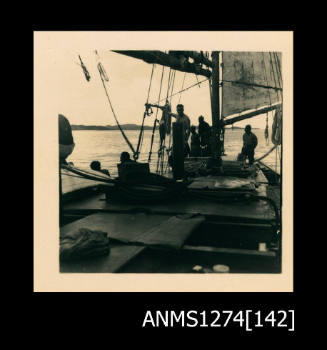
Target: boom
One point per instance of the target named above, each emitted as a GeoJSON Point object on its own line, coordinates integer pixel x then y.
{"type": "Point", "coordinates": [170, 60]}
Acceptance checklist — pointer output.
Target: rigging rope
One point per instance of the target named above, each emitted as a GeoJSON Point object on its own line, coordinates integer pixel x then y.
{"type": "Point", "coordinates": [162, 146]}
{"type": "Point", "coordinates": [273, 73]}
{"type": "Point", "coordinates": [155, 120]}
{"type": "Point", "coordinates": [170, 134]}
{"type": "Point", "coordinates": [80, 177]}
{"type": "Point", "coordinates": [180, 95]}
{"type": "Point", "coordinates": [147, 99]}
{"type": "Point", "coordinates": [147, 112]}
{"type": "Point", "coordinates": [267, 130]}
{"type": "Point", "coordinates": [168, 82]}
{"type": "Point", "coordinates": [252, 84]}
{"type": "Point", "coordinates": [267, 126]}
{"type": "Point", "coordinates": [163, 149]}
{"type": "Point", "coordinates": [172, 89]}
{"type": "Point", "coordinates": [114, 114]}
{"type": "Point", "coordinates": [197, 80]}
{"type": "Point", "coordinates": [278, 72]}
{"type": "Point", "coordinates": [277, 125]}
{"type": "Point", "coordinates": [278, 66]}
{"type": "Point", "coordinates": [85, 174]}
{"type": "Point", "coordinates": [178, 92]}
{"type": "Point", "coordinates": [102, 72]}
{"type": "Point", "coordinates": [265, 155]}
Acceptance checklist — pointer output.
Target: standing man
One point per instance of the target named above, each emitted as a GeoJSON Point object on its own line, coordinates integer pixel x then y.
{"type": "Point", "coordinates": [180, 118]}
{"type": "Point", "coordinates": [250, 142]}
{"type": "Point", "coordinates": [195, 143]}
{"type": "Point", "coordinates": [185, 121]}
{"type": "Point", "coordinates": [204, 134]}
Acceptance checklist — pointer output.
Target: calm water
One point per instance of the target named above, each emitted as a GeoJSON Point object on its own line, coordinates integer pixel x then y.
{"type": "Point", "coordinates": [106, 147]}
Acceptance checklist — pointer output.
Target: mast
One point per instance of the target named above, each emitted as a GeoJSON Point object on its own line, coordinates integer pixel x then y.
{"type": "Point", "coordinates": [215, 104]}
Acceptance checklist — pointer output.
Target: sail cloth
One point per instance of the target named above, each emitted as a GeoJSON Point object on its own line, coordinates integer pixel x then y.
{"type": "Point", "coordinates": [242, 75]}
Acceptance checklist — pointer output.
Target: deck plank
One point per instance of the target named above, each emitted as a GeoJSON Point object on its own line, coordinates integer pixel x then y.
{"type": "Point", "coordinates": [119, 255]}
{"type": "Point", "coordinates": [253, 210]}
{"type": "Point", "coordinates": [121, 227]}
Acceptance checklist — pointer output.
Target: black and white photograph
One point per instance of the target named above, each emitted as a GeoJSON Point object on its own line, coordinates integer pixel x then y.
{"type": "Point", "coordinates": [163, 161]}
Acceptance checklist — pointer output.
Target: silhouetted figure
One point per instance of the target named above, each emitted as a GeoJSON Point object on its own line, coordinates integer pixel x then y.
{"type": "Point", "coordinates": [195, 143]}
{"type": "Point", "coordinates": [250, 142]}
{"type": "Point", "coordinates": [96, 165]}
{"type": "Point", "coordinates": [126, 158]}
{"type": "Point", "coordinates": [204, 134]}
{"type": "Point", "coordinates": [66, 140]}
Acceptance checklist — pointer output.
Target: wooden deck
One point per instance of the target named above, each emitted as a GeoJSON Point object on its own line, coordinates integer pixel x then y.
{"type": "Point", "coordinates": [93, 200]}
{"type": "Point", "coordinates": [144, 258]}
{"type": "Point", "coordinates": [258, 210]}
{"type": "Point", "coordinates": [120, 229]}
{"type": "Point", "coordinates": [119, 256]}
{"type": "Point", "coordinates": [231, 234]}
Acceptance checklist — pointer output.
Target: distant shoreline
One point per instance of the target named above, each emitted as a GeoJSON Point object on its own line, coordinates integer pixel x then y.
{"type": "Point", "coordinates": [110, 127]}
{"type": "Point", "coordinates": [126, 127]}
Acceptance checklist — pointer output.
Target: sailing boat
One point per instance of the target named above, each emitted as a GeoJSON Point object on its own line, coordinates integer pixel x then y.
{"type": "Point", "coordinates": [175, 221]}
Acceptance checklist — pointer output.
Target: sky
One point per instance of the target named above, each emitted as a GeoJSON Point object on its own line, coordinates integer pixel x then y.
{"type": "Point", "coordinates": [85, 102]}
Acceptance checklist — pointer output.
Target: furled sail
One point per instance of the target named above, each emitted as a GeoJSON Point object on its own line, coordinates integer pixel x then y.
{"type": "Point", "coordinates": [177, 60]}
{"type": "Point", "coordinates": [251, 80]}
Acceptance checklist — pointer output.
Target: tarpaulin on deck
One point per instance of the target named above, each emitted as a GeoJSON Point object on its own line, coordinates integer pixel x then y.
{"type": "Point", "coordinates": [171, 233]}
{"type": "Point", "coordinates": [139, 228]}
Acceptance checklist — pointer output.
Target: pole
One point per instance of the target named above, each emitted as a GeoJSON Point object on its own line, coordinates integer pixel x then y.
{"type": "Point", "coordinates": [215, 106]}
{"type": "Point", "coordinates": [178, 151]}
{"type": "Point", "coordinates": [251, 114]}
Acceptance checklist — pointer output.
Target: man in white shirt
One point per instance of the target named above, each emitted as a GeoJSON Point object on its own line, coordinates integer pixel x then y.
{"type": "Point", "coordinates": [184, 119]}
{"type": "Point", "coordinates": [180, 118]}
